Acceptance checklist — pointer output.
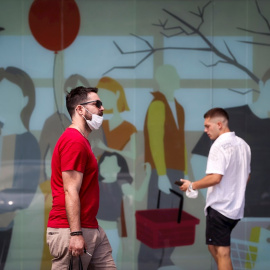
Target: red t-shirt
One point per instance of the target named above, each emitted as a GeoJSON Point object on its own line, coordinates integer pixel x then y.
{"type": "Point", "coordinates": [73, 152]}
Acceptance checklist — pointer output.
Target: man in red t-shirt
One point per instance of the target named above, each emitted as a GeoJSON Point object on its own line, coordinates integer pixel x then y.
{"type": "Point", "coordinates": [73, 229]}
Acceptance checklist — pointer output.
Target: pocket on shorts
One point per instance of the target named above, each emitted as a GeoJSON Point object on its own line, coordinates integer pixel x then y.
{"type": "Point", "coordinates": [53, 241]}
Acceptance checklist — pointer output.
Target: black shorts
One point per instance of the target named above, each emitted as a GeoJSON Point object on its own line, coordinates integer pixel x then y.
{"type": "Point", "coordinates": [218, 228]}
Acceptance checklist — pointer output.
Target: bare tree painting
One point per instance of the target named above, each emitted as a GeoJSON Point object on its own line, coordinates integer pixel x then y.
{"type": "Point", "coordinates": [266, 34]}
{"type": "Point", "coordinates": [183, 28]}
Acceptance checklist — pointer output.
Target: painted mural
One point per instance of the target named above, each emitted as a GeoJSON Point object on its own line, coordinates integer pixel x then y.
{"type": "Point", "coordinates": [159, 66]}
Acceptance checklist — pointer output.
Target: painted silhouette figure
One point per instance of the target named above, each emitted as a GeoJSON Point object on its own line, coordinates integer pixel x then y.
{"type": "Point", "coordinates": [20, 153]}
{"type": "Point", "coordinates": [115, 183]}
{"type": "Point", "coordinates": [119, 133]}
{"type": "Point", "coordinates": [165, 151]}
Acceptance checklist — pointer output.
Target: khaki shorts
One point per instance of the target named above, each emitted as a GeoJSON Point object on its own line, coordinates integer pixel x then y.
{"type": "Point", "coordinates": [97, 244]}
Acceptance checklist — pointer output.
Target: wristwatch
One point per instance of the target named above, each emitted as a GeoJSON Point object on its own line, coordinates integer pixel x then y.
{"type": "Point", "coordinates": [190, 186]}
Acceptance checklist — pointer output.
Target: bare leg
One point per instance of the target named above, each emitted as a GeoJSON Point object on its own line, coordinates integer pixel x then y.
{"type": "Point", "coordinates": [223, 258]}
{"type": "Point", "coordinates": [213, 251]}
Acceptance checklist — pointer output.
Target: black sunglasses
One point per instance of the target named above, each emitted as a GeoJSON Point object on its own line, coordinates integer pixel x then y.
{"type": "Point", "coordinates": [98, 103]}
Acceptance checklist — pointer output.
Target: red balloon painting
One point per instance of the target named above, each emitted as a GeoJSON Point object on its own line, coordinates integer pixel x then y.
{"type": "Point", "coordinates": [54, 23]}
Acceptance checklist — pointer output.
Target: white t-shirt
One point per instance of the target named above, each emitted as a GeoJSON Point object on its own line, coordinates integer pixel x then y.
{"type": "Point", "coordinates": [229, 156]}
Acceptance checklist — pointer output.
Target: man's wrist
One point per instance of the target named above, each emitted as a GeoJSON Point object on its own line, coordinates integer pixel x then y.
{"type": "Point", "coordinates": [76, 233]}
{"type": "Point", "coordinates": [191, 186]}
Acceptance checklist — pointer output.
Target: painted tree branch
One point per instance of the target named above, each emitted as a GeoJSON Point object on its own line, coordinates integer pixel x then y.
{"type": "Point", "coordinates": [257, 32]}
{"type": "Point", "coordinates": [226, 59]}
{"type": "Point", "coordinates": [243, 93]}
{"type": "Point", "coordinates": [264, 18]}
{"type": "Point", "coordinates": [151, 50]}
{"type": "Point", "coordinates": [191, 30]}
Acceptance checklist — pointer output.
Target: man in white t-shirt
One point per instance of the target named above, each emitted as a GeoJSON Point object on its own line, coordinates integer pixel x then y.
{"type": "Point", "coordinates": [227, 174]}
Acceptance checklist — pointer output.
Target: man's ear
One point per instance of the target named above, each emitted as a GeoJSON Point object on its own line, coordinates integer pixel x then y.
{"type": "Point", "coordinates": [79, 109]}
{"type": "Point", "coordinates": [220, 124]}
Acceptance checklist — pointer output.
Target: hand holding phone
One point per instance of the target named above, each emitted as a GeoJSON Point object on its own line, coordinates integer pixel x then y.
{"type": "Point", "coordinates": [179, 183]}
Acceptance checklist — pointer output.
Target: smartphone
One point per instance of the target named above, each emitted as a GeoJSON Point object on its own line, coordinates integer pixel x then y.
{"type": "Point", "coordinates": [179, 183]}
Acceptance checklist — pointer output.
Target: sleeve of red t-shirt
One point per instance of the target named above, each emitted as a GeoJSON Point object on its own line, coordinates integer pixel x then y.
{"type": "Point", "coordinates": [73, 157]}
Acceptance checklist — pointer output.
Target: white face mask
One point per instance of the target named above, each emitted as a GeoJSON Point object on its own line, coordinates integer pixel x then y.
{"type": "Point", "coordinates": [96, 121]}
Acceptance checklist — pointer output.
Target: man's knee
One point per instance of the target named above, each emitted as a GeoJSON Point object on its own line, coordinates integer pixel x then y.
{"type": "Point", "coordinates": [223, 252]}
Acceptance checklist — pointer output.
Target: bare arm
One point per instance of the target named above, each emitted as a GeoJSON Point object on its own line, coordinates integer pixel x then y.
{"type": "Point", "coordinates": [72, 184]}
{"type": "Point", "coordinates": [207, 181]}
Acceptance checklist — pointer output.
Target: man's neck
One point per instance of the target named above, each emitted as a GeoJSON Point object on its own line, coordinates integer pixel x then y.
{"type": "Point", "coordinates": [81, 127]}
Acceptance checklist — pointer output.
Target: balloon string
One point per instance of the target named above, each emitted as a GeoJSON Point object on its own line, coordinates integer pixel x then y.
{"type": "Point", "coordinates": [54, 92]}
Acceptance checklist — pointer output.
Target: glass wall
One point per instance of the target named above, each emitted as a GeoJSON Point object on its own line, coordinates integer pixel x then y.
{"type": "Point", "coordinates": [159, 66]}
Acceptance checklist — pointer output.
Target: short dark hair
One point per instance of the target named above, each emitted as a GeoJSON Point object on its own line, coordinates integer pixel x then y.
{"type": "Point", "coordinates": [77, 96]}
{"type": "Point", "coordinates": [216, 112]}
